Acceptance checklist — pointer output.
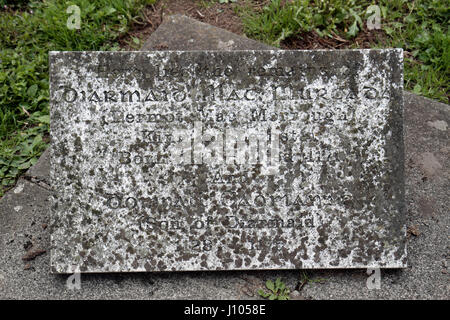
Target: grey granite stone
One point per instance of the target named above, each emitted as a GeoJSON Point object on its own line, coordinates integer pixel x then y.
{"type": "Point", "coordinates": [179, 32]}
{"type": "Point", "coordinates": [221, 160]}
{"type": "Point", "coordinates": [425, 278]}
{"type": "Point", "coordinates": [40, 172]}
{"type": "Point", "coordinates": [41, 169]}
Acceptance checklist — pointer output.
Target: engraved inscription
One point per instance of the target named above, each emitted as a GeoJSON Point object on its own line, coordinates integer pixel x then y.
{"type": "Point", "coordinates": [226, 160]}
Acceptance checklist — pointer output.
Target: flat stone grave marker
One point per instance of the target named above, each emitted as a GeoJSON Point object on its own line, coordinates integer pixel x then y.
{"type": "Point", "coordinates": [227, 160]}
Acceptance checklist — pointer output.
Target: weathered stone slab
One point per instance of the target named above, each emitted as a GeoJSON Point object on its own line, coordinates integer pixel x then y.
{"type": "Point", "coordinates": [179, 32]}
{"type": "Point", "coordinates": [227, 160]}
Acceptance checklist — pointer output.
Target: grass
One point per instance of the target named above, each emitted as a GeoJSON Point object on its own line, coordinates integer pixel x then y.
{"type": "Point", "coordinates": [282, 19]}
{"type": "Point", "coordinates": [420, 27]}
{"type": "Point", "coordinates": [275, 290]}
{"type": "Point", "coordinates": [28, 30]}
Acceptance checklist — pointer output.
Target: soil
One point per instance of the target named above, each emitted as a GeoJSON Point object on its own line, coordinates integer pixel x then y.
{"type": "Point", "coordinates": [311, 40]}
{"type": "Point", "coordinates": [226, 16]}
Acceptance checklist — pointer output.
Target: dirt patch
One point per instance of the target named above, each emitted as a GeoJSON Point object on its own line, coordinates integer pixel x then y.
{"type": "Point", "coordinates": [311, 40]}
